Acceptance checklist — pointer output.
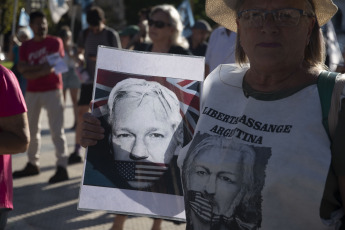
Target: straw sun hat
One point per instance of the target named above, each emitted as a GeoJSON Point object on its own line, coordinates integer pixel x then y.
{"type": "Point", "coordinates": [223, 12]}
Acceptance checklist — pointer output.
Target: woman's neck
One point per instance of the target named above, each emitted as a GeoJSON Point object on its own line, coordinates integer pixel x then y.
{"type": "Point", "coordinates": [273, 81]}
{"type": "Point", "coordinates": [161, 47]}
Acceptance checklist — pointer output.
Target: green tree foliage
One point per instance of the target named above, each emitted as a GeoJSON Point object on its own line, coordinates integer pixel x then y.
{"type": "Point", "coordinates": [6, 14]}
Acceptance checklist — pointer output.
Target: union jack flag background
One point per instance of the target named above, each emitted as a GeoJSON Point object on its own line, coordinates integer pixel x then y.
{"type": "Point", "coordinates": [187, 91]}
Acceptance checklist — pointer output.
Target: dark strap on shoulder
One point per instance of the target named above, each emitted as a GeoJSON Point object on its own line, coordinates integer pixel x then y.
{"type": "Point", "coordinates": [325, 85]}
{"type": "Point", "coordinates": [110, 36]}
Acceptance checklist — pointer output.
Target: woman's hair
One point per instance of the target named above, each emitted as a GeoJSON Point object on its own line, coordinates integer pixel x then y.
{"type": "Point", "coordinates": [315, 51]}
{"type": "Point", "coordinates": [176, 23]}
{"type": "Point", "coordinates": [139, 89]}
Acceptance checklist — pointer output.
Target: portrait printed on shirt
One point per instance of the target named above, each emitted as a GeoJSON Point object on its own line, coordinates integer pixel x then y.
{"type": "Point", "coordinates": [223, 180]}
{"type": "Point", "coordinates": [145, 128]}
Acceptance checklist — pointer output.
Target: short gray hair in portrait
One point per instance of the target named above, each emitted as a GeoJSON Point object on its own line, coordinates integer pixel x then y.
{"type": "Point", "coordinates": [139, 89]}
{"type": "Point", "coordinates": [175, 21]}
{"type": "Point", "coordinates": [225, 13]}
{"type": "Point", "coordinates": [227, 146]}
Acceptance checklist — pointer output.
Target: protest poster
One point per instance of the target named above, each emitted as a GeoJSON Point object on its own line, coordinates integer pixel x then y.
{"type": "Point", "coordinates": [148, 103]}
{"type": "Point", "coordinates": [57, 62]}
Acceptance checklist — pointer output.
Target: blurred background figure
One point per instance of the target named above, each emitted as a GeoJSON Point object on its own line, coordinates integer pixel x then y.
{"type": "Point", "coordinates": [198, 40]}
{"type": "Point", "coordinates": [23, 35]}
{"type": "Point", "coordinates": [44, 91]}
{"type": "Point", "coordinates": [142, 35]}
{"type": "Point", "coordinates": [88, 41]}
{"type": "Point", "coordinates": [70, 79]}
{"type": "Point", "coordinates": [165, 32]}
{"type": "Point", "coordinates": [127, 35]}
{"type": "Point", "coordinates": [220, 49]}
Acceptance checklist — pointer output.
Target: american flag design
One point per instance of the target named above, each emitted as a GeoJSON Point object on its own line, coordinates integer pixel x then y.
{"type": "Point", "coordinates": [140, 171]}
{"type": "Point", "coordinates": [187, 91]}
{"type": "Point", "coordinates": [203, 208]}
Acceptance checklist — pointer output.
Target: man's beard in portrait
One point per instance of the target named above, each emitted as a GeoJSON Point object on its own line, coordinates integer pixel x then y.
{"type": "Point", "coordinates": [203, 205]}
{"type": "Point", "coordinates": [140, 175]}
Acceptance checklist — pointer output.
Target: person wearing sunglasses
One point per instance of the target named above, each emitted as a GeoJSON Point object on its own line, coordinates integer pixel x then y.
{"type": "Point", "coordinates": [165, 32]}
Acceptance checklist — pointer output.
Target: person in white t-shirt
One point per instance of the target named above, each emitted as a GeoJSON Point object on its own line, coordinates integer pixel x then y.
{"type": "Point", "coordinates": [220, 49]}
{"type": "Point", "coordinates": [272, 105]}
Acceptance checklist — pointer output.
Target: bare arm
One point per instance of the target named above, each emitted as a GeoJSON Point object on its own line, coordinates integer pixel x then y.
{"type": "Point", "coordinates": [34, 71]}
{"type": "Point", "coordinates": [14, 134]}
{"type": "Point", "coordinates": [92, 131]}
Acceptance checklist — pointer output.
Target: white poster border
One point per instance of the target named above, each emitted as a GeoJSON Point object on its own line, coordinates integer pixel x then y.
{"type": "Point", "coordinates": [151, 64]}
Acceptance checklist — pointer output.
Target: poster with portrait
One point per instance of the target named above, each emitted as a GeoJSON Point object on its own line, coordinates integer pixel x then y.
{"type": "Point", "coordinates": [148, 105]}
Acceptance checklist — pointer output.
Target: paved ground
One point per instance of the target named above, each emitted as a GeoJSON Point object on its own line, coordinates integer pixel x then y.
{"type": "Point", "coordinates": [41, 206]}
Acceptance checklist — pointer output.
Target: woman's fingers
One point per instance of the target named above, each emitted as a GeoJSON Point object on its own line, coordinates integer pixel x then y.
{"type": "Point", "coordinates": [92, 131]}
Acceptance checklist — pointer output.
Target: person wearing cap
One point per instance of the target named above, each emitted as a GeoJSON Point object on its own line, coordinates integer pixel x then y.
{"type": "Point", "coordinates": [273, 105]}
{"type": "Point", "coordinates": [97, 33]}
{"type": "Point", "coordinates": [198, 40]}
{"type": "Point", "coordinates": [126, 36]}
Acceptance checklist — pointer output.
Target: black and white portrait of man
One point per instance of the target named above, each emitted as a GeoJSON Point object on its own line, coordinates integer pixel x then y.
{"type": "Point", "coordinates": [145, 132]}
{"type": "Point", "coordinates": [219, 179]}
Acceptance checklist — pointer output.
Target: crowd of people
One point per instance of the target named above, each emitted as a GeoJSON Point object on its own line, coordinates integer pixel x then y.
{"type": "Point", "coordinates": [263, 161]}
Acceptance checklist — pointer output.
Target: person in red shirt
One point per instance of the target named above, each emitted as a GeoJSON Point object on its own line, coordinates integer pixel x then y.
{"type": "Point", "coordinates": [44, 90]}
{"type": "Point", "coordinates": [14, 136]}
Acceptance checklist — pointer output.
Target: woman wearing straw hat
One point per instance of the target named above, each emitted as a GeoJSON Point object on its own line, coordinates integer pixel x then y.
{"type": "Point", "coordinates": [273, 104]}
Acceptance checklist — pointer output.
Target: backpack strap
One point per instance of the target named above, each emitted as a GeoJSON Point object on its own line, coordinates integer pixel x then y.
{"type": "Point", "coordinates": [325, 85]}
{"type": "Point", "coordinates": [110, 36]}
